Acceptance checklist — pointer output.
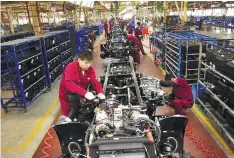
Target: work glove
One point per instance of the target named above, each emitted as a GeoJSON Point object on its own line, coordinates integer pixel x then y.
{"type": "Point", "coordinates": [101, 96]}
{"type": "Point", "coordinates": [64, 118]}
{"type": "Point", "coordinates": [89, 96]}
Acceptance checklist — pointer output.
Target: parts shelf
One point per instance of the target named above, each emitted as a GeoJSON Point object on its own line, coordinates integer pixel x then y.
{"type": "Point", "coordinates": [23, 72]}
{"type": "Point", "coordinates": [82, 39]}
{"type": "Point", "coordinates": [52, 58]}
{"type": "Point", "coordinates": [57, 51]}
{"type": "Point", "coordinates": [20, 35]}
{"type": "Point", "coordinates": [182, 52]}
{"type": "Point", "coordinates": [157, 47]}
{"type": "Point", "coordinates": [216, 92]}
{"type": "Point", "coordinates": [65, 52]}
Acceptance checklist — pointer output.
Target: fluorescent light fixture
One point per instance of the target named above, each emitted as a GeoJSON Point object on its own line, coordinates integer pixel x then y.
{"type": "Point", "coordinates": [85, 3]}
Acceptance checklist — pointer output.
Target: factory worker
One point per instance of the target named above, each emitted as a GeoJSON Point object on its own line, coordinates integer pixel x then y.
{"type": "Point", "coordinates": [75, 80]}
{"type": "Point", "coordinates": [138, 35]}
{"type": "Point", "coordinates": [105, 28]}
{"type": "Point", "coordinates": [130, 38]}
{"type": "Point", "coordinates": [129, 29]}
{"type": "Point", "coordinates": [181, 97]}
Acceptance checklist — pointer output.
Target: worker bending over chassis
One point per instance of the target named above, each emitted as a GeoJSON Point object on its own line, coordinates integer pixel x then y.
{"type": "Point", "coordinates": [75, 80]}
{"type": "Point", "coordinates": [132, 39]}
{"type": "Point", "coordinates": [181, 97]}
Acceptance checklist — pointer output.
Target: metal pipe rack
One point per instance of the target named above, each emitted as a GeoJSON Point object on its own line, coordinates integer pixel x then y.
{"type": "Point", "coordinates": [215, 95]}
{"type": "Point", "coordinates": [23, 73]}
{"type": "Point", "coordinates": [182, 52]}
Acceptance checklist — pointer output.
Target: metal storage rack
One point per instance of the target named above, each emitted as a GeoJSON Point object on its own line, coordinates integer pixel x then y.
{"type": "Point", "coordinates": [218, 102]}
{"type": "Point", "coordinates": [56, 65]}
{"type": "Point", "coordinates": [23, 76]}
{"type": "Point", "coordinates": [82, 40]}
{"type": "Point", "coordinates": [157, 47]}
{"type": "Point", "coordinates": [64, 47]}
{"type": "Point", "coordinates": [52, 58]}
{"type": "Point", "coordinates": [72, 29]}
{"type": "Point", "coordinates": [157, 44]}
{"type": "Point", "coordinates": [181, 58]}
{"type": "Point", "coordinates": [20, 35]}
{"type": "Point", "coordinates": [227, 43]}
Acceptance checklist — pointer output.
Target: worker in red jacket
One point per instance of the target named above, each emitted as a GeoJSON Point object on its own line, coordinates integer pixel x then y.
{"type": "Point", "coordinates": [122, 24]}
{"type": "Point", "coordinates": [92, 38]}
{"type": "Point", "coordinates": [105, 28]}
{"type": "Point", "coordinates": [138, 35]}
{"type": "Point", "coordinates": [110, 26]}
{"type": "Point", "coordinates": [75, 80]}
{"type": "Point", "coordinates": [131, 38]}
{"type": "Point", "coordinates": [129, 29]}
{"type": "Point", "coordinates": [181, 97]}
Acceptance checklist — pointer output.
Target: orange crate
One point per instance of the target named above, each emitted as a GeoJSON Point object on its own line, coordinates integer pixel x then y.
{"type": "Point", "coordinates": [145, 31]}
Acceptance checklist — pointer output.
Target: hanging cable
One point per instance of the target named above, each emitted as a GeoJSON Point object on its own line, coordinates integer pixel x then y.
{"type": "Point", "coordinates": [189, 131]}
{"type": "Point", "coordinates": [47, 145]}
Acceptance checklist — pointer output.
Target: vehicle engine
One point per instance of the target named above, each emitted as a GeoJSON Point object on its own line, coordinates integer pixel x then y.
{"type": "Point", "coordinates": [119, 126]}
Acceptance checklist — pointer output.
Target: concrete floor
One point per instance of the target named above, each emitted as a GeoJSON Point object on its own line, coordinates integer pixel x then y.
{"type": "Point", "coordinates": [22, 132]}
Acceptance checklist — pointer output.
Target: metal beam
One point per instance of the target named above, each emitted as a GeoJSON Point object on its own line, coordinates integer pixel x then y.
{"type": "Point", "coordinates": [179, 11]}
{"type": "Point", "coordinates": [165, 11]}
{"type": "Point", "coordinates": [34, 15]}
{"type": "Point", "coordinates": [185, 11]}
{"type": "Point", "coordinates": [10, 18]}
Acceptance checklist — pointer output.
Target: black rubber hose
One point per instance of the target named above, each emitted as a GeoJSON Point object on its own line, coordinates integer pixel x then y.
{"type": "Point", "coordinates": [151, 121]}
{"type": "Point", "coordinates": [89, 131]}
{"type": "Point", "coordinates": [129, 128]}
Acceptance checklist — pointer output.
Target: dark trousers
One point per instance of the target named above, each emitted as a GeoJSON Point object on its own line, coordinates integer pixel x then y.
{"type": "Point", "coordinates": [74, 100]}
{"type": "Point", "coordinates": [106, 33]}
{"type": "Point", "coordinates": [141, 47]}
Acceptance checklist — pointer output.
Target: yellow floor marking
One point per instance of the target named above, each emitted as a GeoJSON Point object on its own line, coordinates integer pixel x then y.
{"type": "Point", "coordinates": [35, 130]}
{"type": "Point", "coordinates": [212, 129]}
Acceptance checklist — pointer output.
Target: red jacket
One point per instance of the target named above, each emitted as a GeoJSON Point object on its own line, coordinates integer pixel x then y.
{"type": "Point", "coordinates": [73, 81]}
{"type": "Point", "coordinates": [135, 41]}
{"type": "Point", "coordinates": [110, 27]}
{"type": "Point", "coordinates": [181, 88]}
{"type": "Point", "coordinates": [129, 29]}
{"type": "Point", "coordinates": [105, 27]}
{"type": "Point", "coordinates": [138, 33]}
{"type": "Point", "coordinates": [92, 36]}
